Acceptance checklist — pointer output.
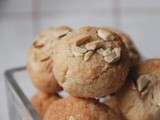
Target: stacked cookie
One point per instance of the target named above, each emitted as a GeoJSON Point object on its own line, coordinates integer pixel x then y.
{"type": "Point", "coordinates": [90, 63]}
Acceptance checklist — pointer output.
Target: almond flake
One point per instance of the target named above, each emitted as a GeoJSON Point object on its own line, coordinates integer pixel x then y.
{"type": "Point", "coordinates": [142, 82]}
{"type": "Point", "coordinates": [93, 45]}
{"type": "Point", "coordinates": [100, 51]}
{"type": "Point", "coordinates": [113, 55]}
{"type": "Point", "coordinates": [38, 44]}
{"type": "Point", "coordinates": [117, 51]}
{"type": "Point", "coordinates": [112, 37]}
{"type": "Point", "coordinates": [104, 34]}
{"type": "Point", "coordinates": [78, 51]}
{"type": "Point", "coordinates": [40, 41]}
{"type": "Point", "coordinates": [72, 118]}
{"type": "Point", "coordinates": [82, 39]}
{"type": "Point", "coordinates": [88, 55]}
{"type": "Point", "coordinates": [62, 31]}
{"type": "Point", "coordinates": [107, 51]}
{"type": "Point", "coordinates": [110, 58]}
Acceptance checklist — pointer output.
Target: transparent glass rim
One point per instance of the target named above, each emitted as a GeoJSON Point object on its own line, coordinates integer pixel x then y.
{"type": "Point", "coordinates": [10, 79]}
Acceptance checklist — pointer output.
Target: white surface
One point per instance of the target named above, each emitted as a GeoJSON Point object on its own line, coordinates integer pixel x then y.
{"type": "Point", "coordinates": [140, 18]}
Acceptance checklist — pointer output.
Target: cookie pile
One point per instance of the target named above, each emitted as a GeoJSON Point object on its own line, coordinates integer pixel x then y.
{"type": "Point", "coordinates": [102, 71]}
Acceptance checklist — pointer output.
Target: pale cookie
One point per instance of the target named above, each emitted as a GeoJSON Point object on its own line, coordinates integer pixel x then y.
{"type": "Point", "coordinates": [81, 67]}
{"type": "Point", "coordinates": [40, 70]}
{"type": "Point", "coordinates": [40, 62]}
{"type": "Point", "coordinates": [140, 101]}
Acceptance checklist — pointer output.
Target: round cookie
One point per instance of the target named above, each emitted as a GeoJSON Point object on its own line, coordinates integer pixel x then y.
{"type": "Point", "coordinates": [40, 63]}
{"type": "Point", "coordinates": [41, 102]}
{"type": "Point", "coordinates": [88, 61]}
{"type": "Point", "coordinates": [72, 108]}
{"type": "Point", "coordinates": [150, 66]}
{"type": "Point", "coordinates": [138, 102]}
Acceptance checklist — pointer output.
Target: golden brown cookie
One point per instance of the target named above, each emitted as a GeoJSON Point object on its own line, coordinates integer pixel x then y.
{"type": "Point", "coordinates": [150, 66]}
{"type": "Point", "coordinates": [88, 61]}
{"type": "Point", "coordinates": [40, 69]}
{"type": "Point", "coordinates": [72, 108]}
{"type": "Point", "coordinates": [41, 102]}
{"type": "Point", "coordinates": [138, 102]}
{"type": "Point", "coordinates": [40, 62]}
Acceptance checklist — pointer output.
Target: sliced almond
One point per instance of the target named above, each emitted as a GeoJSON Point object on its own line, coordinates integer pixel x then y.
{"type": "Point", "coordinates": [82, 39]}
{"type": "Point", "coordinates": [100, 51]}
{"type": "Point", "coordinates": [142, 82]}
{"type": "Point", "coordinates": [61, 31]}
{"type": "Point", "coordinates": [40, 41]}
{"type": "Point", "coordinates": [78, 51]}
{"type": "Point", "coordinates": [88, 55]}
{"type": "Point", "coordinates": [112, 37]}
{"type": "Point", "coordinates": [72, 118]}
{"type": "Point", "coordinates": [104, 34]}
{"type": "Point", "coordinates": [110, 58]}
{"type": "Point", "coordinates": [107, 51]}
{"type": "Point", "coordinates": [117, 51]}
{"type": "Point", "coordinates": [38, 44]}
{"type": "Point", "coordinates": [94, 45]}
{"type": "Point", "coordinates": [113, 55]}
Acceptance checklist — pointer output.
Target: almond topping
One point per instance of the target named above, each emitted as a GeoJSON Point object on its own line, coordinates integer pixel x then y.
{"type": "Point", "coordinates": [142, 83]}
{"type": "Point", "coordinates": [107, 51]}
{"type": "Point", "coordinates": [104, 34]}
{"type": "Point", "coordinates": [82, 39]}
{"type": "Point", "coordinates": [94, 45]}
{"type": "Point", "coordinates": [88, 55]}
{"type": "Point", "coordinates": [78, 51]}
{"type": "Point", "coordinates": [100, 51]}
{"type": "Point", "coordinates": [38, 44]}
{"type": "Point", "coordinates": [61, 31]}
{"type": "Point", "coordinates": [112, 56]}
{"type": "Point", "coordinates": [72, 118]}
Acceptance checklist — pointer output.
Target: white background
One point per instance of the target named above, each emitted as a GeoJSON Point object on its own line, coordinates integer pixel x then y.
{"type": "Point", "coordinates": [20, 20]}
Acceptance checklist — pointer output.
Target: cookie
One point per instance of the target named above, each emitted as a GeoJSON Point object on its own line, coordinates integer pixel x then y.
{"type": "Point", "coordinates": [140, 101]}
{"type": "Point", "coordinates": [41, 102]}
{"type": "Point", "coordinates": [40, 63]}
{"type": "Point", "coordinates": [40, 70]}
{"type": "Point", "coordinates": [88, 61]}
{"type": "Point", "coordinates": [72, 108]}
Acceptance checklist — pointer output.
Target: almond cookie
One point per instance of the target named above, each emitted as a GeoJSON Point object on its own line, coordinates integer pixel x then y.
{"type": "Point", "coordinates": [88, 61]}
{"type": "Point", "coordinates": [40, 62]}
{"type": "Point", "coordinates": [72, 108]}
{"type": "Point", "coordinates": [138, 102]}
{"type": "Point", "coordinates": [150, 66]}
{"type": "Point", "coordinates": [41, 101]}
